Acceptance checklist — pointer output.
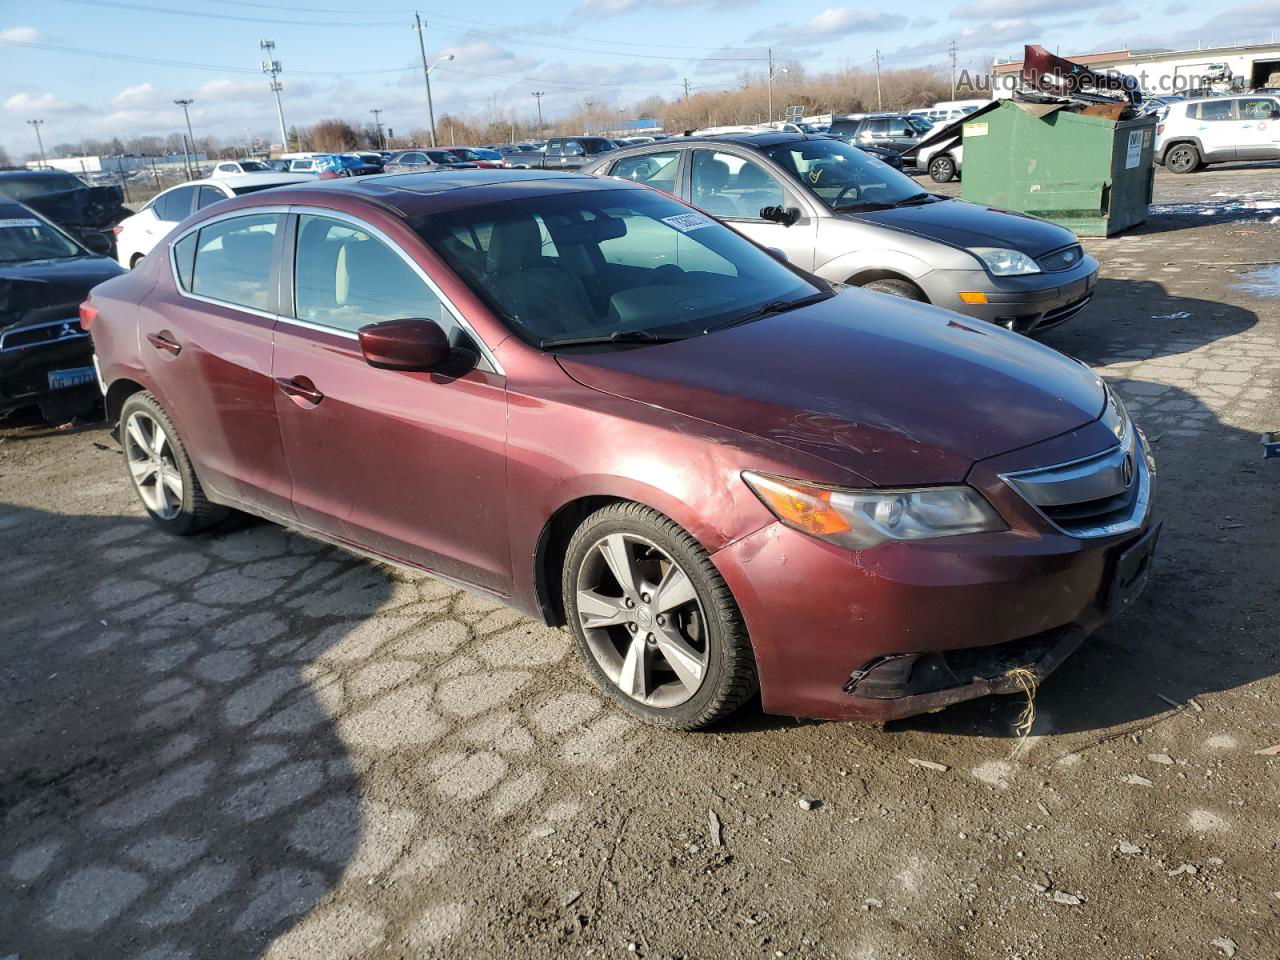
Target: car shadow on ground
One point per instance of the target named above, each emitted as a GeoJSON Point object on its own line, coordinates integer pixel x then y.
{"type": "Point", "coordinates": [174, 784]}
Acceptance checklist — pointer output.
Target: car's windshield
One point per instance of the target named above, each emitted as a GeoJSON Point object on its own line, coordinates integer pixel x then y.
{"type": "Point", "coordinates": [920, 124]}
{"type": "Point", "coordinates": [442, 156]}
{"type": "Point", "coordinates": [25, 238]}
{"type": "Point", "coordinates": [22, 188]}
{"type": "Point", "coordinates": [625, 264]}
{"type": "Point", "coordinates": [842, 176]}
{"type": "Point", "coordinates": [251, 166]}
{"type": "Point", "coordinates": [486, 154]}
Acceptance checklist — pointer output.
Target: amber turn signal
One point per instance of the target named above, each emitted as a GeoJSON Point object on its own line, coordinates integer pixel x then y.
{"type": "Point", "coordinates": [976, 297]}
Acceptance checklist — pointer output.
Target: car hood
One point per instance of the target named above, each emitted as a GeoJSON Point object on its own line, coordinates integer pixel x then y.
{"type": "Point", "coordinates": [966, 225]}
{"type": "Point", "coordinates": [31, 291]}
{"type": "Point", "coordinates": [897, 392]}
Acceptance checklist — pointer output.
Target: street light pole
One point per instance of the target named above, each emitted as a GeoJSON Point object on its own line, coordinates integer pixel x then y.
{"type": "Point", "coordinates": [377, 119]}
{"type": "Point", "coordinates": [538, 95]}
{"type": "Point", "coordinates": [426, 73]}
{"type": "Point", "coordinates": [190, 136]}
{"type": "Point", "coordinates": [273, 69]}
{"type": "Point", "coordinates": [35, 125]}
{"type": "Point", "coordinates": [772, 72]}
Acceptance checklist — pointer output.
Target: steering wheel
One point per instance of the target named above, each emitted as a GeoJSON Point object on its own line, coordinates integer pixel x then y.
{"type": "Point", "coordinates": [843, 191]}
{"type": "Point", "coordinates": [667, 273]}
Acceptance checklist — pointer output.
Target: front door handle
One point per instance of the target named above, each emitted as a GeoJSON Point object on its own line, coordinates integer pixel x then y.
{"type": "Point", "coordinates": [164, 341]}
{"type": "Point", "coordinates": [301, 388]}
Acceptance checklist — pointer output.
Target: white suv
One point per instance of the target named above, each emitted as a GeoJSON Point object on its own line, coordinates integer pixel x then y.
{"type": "Point", "coordinates": [1217, 130]}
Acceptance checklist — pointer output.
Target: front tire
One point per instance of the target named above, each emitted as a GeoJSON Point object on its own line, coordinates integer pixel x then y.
{"type": "Point", "coordinates": [160, 469]}
{"type": "Point", "coordinates": [655, 623]}
{"type": "Point", "coordinates": [942, 169]}
{"type": "Point", "coordinates": [897, 288]}
{"type": "Point", "coordinates": [1183, 158]}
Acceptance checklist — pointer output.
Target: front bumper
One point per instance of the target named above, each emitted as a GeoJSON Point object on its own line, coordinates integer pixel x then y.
{"type": "Point", "coordinates": [1029, 304]}
{"type": "Point", "coordinates": [24, 370]}
{"type": "Point", "coordinates": [828, 625]}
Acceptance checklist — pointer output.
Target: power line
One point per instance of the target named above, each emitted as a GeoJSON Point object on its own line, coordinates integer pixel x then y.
{"type": "Point", "coordinates": [145, 8]}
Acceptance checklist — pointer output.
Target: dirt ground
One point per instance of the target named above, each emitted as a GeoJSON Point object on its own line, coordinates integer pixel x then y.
{"type": "Point", "coordinates": [250, 745]}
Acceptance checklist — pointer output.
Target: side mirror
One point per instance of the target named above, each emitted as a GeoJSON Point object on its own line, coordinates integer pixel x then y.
{"type": "Point", "coordinates": [413, 344]}
{"type": "Point", "coordinates": [783, 215]}
{"type": "Point", "coordinates": [97, 242]}
{"type": "Point", "coordinates": [777, 253]}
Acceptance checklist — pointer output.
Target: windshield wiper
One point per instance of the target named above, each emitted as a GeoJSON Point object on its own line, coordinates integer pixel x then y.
{"type": "Point", "coordinates": [771, 308]}
{"type": "Point", "coordinates": [865, 205]}
{"type": "Point", "coordinates": [618, 336]}
{"type": "Point", "coordinates": [914, 200]}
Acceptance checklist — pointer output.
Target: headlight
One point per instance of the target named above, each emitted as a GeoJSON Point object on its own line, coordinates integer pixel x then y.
{"type": "Point", "coordinates": [1005, 263]}
{"type": "Point", "coordinates": [858, 519]}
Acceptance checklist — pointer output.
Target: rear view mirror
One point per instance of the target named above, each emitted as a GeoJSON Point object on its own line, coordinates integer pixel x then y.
{"type": "Point", "coordinates": [97, 242]}
{"type": "Point", "coordinates": [783, 215]}
{"type": "Point", "coordinates": [413, 344]}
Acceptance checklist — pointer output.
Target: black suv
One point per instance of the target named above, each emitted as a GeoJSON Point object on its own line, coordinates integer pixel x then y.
{"type": "Point", "coordinates": [896, 131]}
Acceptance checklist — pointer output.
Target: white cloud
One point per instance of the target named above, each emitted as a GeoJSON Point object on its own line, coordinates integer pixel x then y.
{"type": "Point", "coordinates": [599, 9]}
{"type": "Point", "coordinates": [33, 104]}
{"type": "Point", "coordinates": [832, 22]}
{"type": "Point", "coordinates": [21, 35]}
{"type": "Point", "coordinates": [998, 9]}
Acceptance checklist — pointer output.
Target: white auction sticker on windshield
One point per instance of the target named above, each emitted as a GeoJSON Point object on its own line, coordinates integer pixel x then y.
{"type": "Point", "coordinates": [684, 222]}
{"type": "Point", "coordinates": [20, 222]}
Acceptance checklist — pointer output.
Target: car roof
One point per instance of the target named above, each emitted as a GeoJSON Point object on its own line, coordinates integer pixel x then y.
{"type": "Point", "coordinates": [35, 174]}
{"type": "Point", "coordinates": [412, 194]}
{"type": "Point", "coordinates": [13, 209]}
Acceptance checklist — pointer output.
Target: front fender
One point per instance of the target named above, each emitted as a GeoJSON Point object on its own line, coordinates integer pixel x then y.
{"type": "Point", "coordinates": [861, 265]}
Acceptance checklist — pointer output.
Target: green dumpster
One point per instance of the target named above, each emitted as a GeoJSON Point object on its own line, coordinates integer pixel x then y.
{"type": "Point", "coordinates": [1076, 167]}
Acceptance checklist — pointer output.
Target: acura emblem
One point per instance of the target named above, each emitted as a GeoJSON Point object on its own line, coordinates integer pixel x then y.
{"type": "Point", "coordinates": [1069, 257]}
{"type": "Point", "coordinates": [1126, 470]}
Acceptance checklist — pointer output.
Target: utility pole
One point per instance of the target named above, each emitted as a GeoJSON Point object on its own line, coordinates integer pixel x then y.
{"type": "Point", "coordinates": [35, 125]}
{"type": "Point", "coordinates": [426, 73]}
{"type": "Point", "coordinates": [184, 104]}
{"type": "Point", "coordinates": [770, 84]}
{"type": "Point", "coordinates": [377, 119]}
{"type": "Point", "coordinates": [953, 69]}
{"type": "Point", "coordinates": [273, 69]}
{"type": "Point", "coordinates": [538, 95]}
{"type": "Point", "coordinates": [686, 89]}
{"type": "Point", "coordinates": [879, 99]}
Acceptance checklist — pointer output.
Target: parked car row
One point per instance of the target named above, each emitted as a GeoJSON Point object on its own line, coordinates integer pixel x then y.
{"type": "Point", "coordinates": [605, 407]}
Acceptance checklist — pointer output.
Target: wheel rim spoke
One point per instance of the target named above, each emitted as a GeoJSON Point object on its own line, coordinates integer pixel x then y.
{"type": "Point", "coordinates": [172, 482]}
{"type": "Point", "coordinates": [139, 436]}
{"type": "Point", "coordinates": [675, 590]}
{"type": "Point", "coordinates": [683, 659]}
{"type": "Point", "coordinates": [598, 611]}
{"type": "Point", "coordinates": [143, 471]}
{"type": "Point", "coordinates": [633, 680]}
{"type": "Point", "coordinates": [617, 553]}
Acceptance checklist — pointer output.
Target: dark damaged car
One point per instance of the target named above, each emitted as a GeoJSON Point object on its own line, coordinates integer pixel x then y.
{"type": "Point", "coordinates": [46, 359]}
{"type": "Point", "coordinates": [81, 210]}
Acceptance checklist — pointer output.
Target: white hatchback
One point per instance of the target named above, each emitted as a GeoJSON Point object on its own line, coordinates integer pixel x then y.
{"type": "Point", "coordinates": [136, 235]}
{"type": "Point", "coordinates": [1193, 134]}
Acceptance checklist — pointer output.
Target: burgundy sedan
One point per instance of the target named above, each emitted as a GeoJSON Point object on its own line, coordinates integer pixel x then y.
{"type": "Point", "coordinates": [613, 412]}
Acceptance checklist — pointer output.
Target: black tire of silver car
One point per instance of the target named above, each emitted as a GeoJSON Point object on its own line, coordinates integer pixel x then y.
{"type": "Point", "coordinates": [1183, 158]}
{"type": "Point", "coordinates": [160, 470]}
{"type": "Point", "coordinates": [655, 623]}
{"type": "Point", "coordinates": [942, 168]}
{"type": "Point", "coordinates": [897, 288]}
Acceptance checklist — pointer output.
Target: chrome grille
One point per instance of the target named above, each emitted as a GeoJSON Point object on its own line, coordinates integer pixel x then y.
{"type": "Point", "coordinates": [1063, 259]}
{"type": "Point", "coordinates": [1099, 496]}
{"type": "Point", "coordinates": [41, 334]}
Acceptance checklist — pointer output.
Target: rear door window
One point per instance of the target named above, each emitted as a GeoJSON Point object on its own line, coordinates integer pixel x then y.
{"type": "Point", "coordinates": [235, 259]}
{"type": "Point", "coordinates": [174, 205]}
{"type": "Point", "coordinates": [1216, 110]}
{"type": "Point", "coordinates": [1256, 109]}
{"type": "Point", "coordinates": [655, 169]}
{"type": "Point", "coordinates": [208, 195]}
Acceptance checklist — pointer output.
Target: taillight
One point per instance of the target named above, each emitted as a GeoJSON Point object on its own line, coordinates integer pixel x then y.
{"type": "Point", "coordinates": [117, 228]}
{"type": "Point", "coordinates": [1159, 129]}
{"type": "Point", "coordinates": [88, 314]}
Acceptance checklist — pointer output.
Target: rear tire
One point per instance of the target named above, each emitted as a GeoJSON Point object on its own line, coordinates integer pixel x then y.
{"type": "Point", "coordinates": [897, 288]}
{"type": "Point", "coordinates": [942, 168]}
{"type": "Point", "coordinates": [160, 470]}
{"type": "Point", "coordinates": [672, 635]}
{"type": "Point", "coordinates": [1183, 158]}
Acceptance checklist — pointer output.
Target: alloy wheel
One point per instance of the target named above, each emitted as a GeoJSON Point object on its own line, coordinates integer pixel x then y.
{"type": "Point", "coordinates": [1182, 159]}
{"type": "Point", "coordinates": [642, 620]}
{"type": "Point", "coordinates": [152, 465]}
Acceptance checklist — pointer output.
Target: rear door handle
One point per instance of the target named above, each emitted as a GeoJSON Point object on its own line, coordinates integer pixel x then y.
{"type": "Point", "coordinates": [300, 387]}
{"type": "Point", "coordinates": [164, 341]}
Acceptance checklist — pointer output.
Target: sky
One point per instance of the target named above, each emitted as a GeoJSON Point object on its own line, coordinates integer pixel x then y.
{"type": "Point", "coordinates": [103, 68]}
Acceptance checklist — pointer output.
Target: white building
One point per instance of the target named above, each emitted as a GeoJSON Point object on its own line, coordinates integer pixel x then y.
{"type": "Point", "coordinates": [84, 165]}
{"type": "Point", "coordinates": [1162, 72]}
